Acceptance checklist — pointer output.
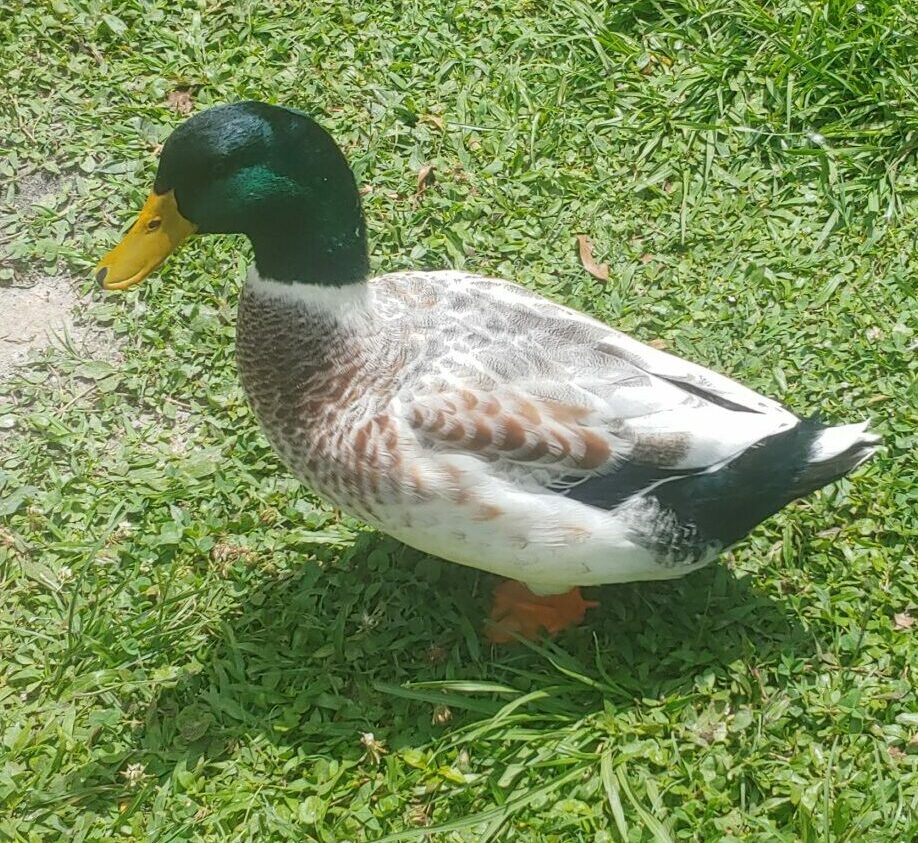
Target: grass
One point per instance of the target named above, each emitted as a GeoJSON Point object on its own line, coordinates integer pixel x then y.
{"type": "Point", "coordinates": [193, 647]}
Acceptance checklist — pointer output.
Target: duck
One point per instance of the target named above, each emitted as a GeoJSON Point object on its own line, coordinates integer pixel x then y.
{"type": "Point", "coordinates": [464, 415]}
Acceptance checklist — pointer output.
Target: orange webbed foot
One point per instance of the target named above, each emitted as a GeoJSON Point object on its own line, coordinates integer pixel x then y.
{"type": "Point", "coordinates": [519, 612]}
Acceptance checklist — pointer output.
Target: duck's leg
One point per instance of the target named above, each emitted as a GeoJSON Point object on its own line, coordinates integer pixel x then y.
{"type": "Point", "coordinates": [518, 611]}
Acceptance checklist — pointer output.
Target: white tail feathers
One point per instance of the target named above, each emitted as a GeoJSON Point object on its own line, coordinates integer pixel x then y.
{"type": "Point", "coordinates": [851, 439]}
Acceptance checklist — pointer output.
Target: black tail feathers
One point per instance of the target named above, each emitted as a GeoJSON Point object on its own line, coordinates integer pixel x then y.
{"type": "Point", "coordinates": [727, 503]}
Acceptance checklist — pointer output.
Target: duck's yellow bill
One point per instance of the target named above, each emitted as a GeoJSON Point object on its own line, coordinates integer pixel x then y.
{"type": "Point", "coordinates": [155, 234]}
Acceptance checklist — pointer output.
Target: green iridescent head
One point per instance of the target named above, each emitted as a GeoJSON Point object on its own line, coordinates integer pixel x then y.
{"type": "Point", "coordinates": [270, 173]}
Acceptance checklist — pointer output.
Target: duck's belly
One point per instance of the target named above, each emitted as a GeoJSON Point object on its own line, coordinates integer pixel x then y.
{"type": "Point", "coordinates": [546, 541]}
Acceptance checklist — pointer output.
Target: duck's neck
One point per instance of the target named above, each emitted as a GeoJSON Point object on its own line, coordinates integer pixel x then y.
{"type": "Point", "coordinates": [312, 253]}
{"type": "Point", "coordinates": [337, 306]}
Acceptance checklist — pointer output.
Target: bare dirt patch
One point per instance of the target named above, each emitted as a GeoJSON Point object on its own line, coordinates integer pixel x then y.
{"type": "Point", "coordinates": [38, 310]}
{"type": "Point", "coordinates": [32, 316]}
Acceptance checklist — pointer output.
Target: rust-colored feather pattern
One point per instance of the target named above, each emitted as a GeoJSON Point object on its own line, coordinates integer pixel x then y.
{"type": "Point", "coordinates": [501, 424]}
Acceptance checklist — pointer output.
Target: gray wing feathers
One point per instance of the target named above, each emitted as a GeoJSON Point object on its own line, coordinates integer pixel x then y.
{"type": "Point", "coordinates": [581, 379]}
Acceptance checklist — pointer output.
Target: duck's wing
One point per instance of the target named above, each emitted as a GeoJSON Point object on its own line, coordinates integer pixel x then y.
{"type": "Point", "coordinates": [551, 398]}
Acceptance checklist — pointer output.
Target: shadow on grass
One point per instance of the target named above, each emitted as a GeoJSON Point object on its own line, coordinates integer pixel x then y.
{"type": "Point", "coordinates": [313, 660]}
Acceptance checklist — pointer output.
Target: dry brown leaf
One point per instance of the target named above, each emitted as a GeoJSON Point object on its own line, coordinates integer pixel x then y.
{"type": "Point", "coordinates": [418, 815]}
{"type": "Point", "coordinates": [425, 178]}
{"type": "Point", "coordinates": [646, 258]}
{"type": "Point", "coordinates": [597, 270]}
{"type": "Point", "coordinates": [180, 100]}
{"type": "Point", "coordinates": [435, 120]}
{"type": "Point", "coordinates": [367, 188]}
{"type": "Point", "coordinates": [895, 753]}
{"type": "Point", "coordinates": [660, 345]}
{"type": "Point", "coordinates": [903, 621]}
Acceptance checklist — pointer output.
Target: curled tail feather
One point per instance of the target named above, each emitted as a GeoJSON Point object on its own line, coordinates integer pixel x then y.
{"type": "Point", "coordinates": [835, 452]}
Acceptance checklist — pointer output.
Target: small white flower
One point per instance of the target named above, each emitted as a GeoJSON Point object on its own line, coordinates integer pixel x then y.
{"type": "Point", "coordinates": [860, 8]}
{"type": "Point", "coordinates": [370, 620]}
{"type": "Point", "coordinates": [65, 574]}
{"type": "Point", "coordinates": [134, 774]}
{"type": "Point", "coordinates": [817, 138]}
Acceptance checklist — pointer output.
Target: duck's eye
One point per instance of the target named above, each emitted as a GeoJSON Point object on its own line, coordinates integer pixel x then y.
{"type": "Point", "coordinates": [154, 223]}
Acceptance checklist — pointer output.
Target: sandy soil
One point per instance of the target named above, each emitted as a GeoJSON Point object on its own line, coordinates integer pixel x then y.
{"type": "Point", "coordinates": [31, 317]}
{"type": "Point", "coordinates": [38, 310]}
